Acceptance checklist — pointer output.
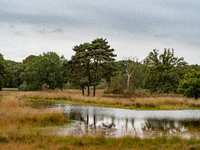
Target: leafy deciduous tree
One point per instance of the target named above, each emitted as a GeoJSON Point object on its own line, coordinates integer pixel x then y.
{"type": "Point", "coordinates": [46, 69]}
{"type": "Point", "coordinates": [190, 85]}
{"type": "Point", "coordinates": [30, 58]}
{"type": "Point", "coordinates": [5, 72]}
{"type": "Point", "coordinates": [164, 71]}
{"type": "Point", "coordinates": [16, 68]}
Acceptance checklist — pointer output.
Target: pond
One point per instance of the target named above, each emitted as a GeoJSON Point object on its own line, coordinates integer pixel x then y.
{"type": "Point", "coordinates": [113, 122]}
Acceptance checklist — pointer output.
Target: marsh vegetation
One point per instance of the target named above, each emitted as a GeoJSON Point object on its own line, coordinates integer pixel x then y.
{"type": "Point", "coordinates": [142, 99]}
{"type": "Point", "coordinates": [23, 125]}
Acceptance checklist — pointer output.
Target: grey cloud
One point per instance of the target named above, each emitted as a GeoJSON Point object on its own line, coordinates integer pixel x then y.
{"type": "Point", "coordinates": [32, 19]}
{"type": "Point", "coordinates": [12, 26]}
{"type": "Point", "coordinates": [41, 31]}
{"type": "Point", "coordinates": [18, 33]}
{"type": "Point", "coordinates": [164, 21]}
{"type": "Point", "coordinates": [58, 30]}
{"type": "Point", "coordinates": [127, 16]}
{"type": "Point", "coordinates": [48, 31]}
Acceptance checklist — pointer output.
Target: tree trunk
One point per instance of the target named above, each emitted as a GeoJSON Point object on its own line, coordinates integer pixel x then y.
{"type": "Point", "coordinates": [89, 86]}
{"type": "Point", "coordinates": [128, 82]}
{"type": "Point", "coordinates": [94, 90]}
{"type": "Point", "coordinates": [83, 91]}
{"type": "Point", "coordinates": [88, 79]}
{"type": "Point", "coordinates": [95, 79]}
{"type": "Point", "coordinates": [196, 95]}
{"type": "Point", "coordinates": [95, 121]}
{"type": "Point", "coordinates": [127, 73]}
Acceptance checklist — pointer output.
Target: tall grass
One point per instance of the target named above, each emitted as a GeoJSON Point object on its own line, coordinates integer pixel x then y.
{"type": "Point", "coordinates": [17, 117]}
{"type": "Point", "coordinates": [163, 101]}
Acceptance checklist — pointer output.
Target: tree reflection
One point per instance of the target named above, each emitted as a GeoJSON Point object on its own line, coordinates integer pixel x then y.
{"type": "Point", "coordinates": [166, 124]}
{"type": "Point", "coordinates": [93, 122]}
{"type": "Point", "coordinates": [112, 124]}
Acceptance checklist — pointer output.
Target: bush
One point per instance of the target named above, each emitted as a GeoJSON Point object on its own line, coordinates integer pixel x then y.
{"type": "Point", "coordinates": [117, 84]}
{"type": "Point", "coordinates": [190, 85]}
{"type": "Point", "coordinates": [45, 87]}
{"type": "Point", "coordinates": [67, 85]}
{"type": "Point", "coordinates": [102, 85]}
{"type": "Point", "coordinates": [4, 139]}
{"type": "Point", "coordinates": [117, 91]}
{"type": "Point", "coordinates": [21, 87]}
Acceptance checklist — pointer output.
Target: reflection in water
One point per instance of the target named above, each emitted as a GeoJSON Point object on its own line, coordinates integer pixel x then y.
{"type": "Point", "coordinates": [182, 128]}
{"type": "Point", "coordinates": [112, 122]}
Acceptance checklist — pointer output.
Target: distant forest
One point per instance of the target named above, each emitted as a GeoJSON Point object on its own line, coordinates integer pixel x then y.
{"type": "Point", "coordinates": [93, 66]}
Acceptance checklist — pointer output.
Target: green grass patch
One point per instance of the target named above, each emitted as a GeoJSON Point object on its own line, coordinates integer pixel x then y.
{"type": "Point", "coordinates": [85, 142]}
{"type": "Point", "coordinates": [137, 106]}
{"type": "Point", "coordinates": [10, 89]}
{"type": "Point", "coordinates": [115, 101]}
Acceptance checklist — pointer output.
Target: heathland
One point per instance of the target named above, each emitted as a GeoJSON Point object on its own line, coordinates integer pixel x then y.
{"type": "Point", "coordinates": [21, 124]}
{"type": "Point", "coordinates": [142, 99]}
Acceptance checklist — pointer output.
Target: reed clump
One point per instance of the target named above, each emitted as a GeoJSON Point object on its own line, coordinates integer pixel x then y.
{"type": "Point", "coordinates": [13, 110]}
{"type": "Point", "coordinates": [17, 118]}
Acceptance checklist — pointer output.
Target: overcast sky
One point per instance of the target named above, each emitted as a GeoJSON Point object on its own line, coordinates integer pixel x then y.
{"type": "Point", "coordinates": [131, 27]}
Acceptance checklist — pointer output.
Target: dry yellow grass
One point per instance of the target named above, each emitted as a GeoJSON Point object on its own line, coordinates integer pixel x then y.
{"type": "Point", "coordinates": [17, 117]}
{"type": "Point", "coordinates": [139, 101]}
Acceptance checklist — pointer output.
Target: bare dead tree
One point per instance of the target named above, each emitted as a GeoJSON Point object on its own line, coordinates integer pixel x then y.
{"type": "Point", "coordinates": [130, 61]}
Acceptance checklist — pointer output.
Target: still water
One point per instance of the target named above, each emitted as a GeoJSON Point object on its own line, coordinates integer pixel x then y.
{"type": "Point", "coordinates": [113, 122]}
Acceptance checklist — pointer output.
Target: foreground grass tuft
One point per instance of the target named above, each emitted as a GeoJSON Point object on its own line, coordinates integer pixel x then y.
{"type": "Point", "coordinates": [17, 118]}
{"type": "Point", "coordinates": [71, 142]}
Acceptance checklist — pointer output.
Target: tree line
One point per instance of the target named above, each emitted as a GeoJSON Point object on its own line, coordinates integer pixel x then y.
{"type": "Point", "coordinates": [94, 66]}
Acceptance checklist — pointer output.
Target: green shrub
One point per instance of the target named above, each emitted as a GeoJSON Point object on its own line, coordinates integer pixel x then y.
{"type": "Point", "coordinates": [45, 87]}
{"type": "Point", "coordinates": [21, 87]}
{"type": "Point", "coordinates": [102, 85]}
{"type": "Point", "coordinates": [138, 105]}
{"type": "Point", "coordinates": [117, 84]}
{"type": "Point", "coordinates": [4, 139]}
{"type": "Point", "coordinates": [67, 85]}
{"type": "Point", "coordinates": [118, 91]}
{"type": "Point", "coordinates": [41, 146]}
{"type": "Point", "coordinates": [79, 142]}
{"type": "Point", "coordinates": [190, 85]}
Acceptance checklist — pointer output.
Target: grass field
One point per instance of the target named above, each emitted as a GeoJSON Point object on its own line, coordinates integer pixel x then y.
{"type": "Point", "coordinates": [20, 124]}
{"type": "Point", "coordinates": [137, 101]}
